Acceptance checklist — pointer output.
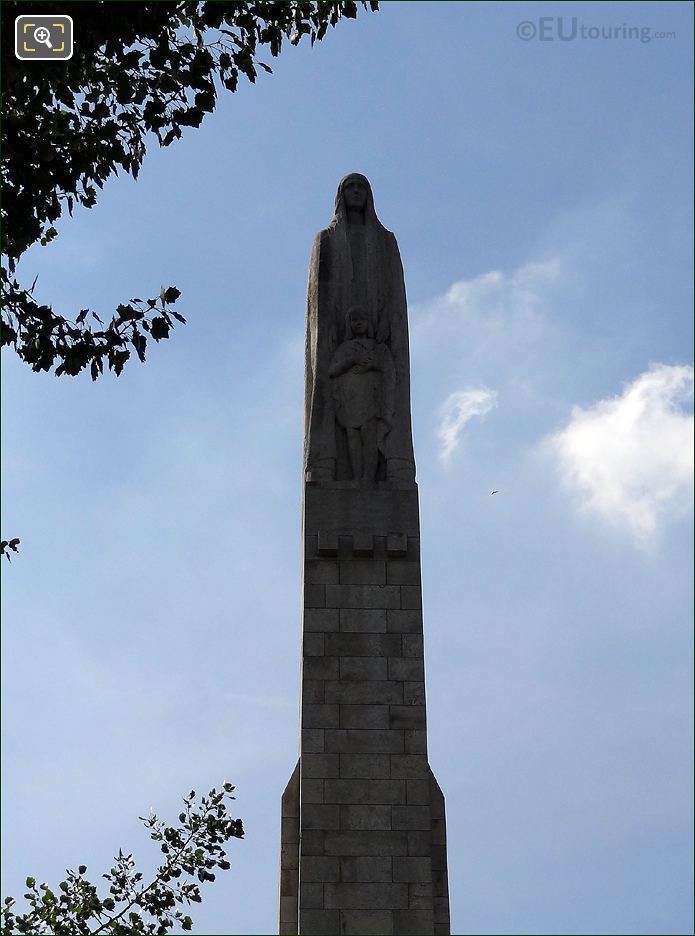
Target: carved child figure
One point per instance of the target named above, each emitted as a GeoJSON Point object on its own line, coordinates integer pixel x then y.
{"type": "Point", "coordinates": [363, 378]}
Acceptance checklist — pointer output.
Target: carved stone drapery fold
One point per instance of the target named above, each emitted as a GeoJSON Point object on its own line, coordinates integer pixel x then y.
{"type": "Point", "coordinates": [355, 263]}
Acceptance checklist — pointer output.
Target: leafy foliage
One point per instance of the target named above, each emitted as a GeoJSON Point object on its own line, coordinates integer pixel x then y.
{"type": "Point", "coordinates": [138, 69]}
{"type": "Point", "coordinates": [191, 850]}
{"type": "Point", "coordinates": [7, 545]}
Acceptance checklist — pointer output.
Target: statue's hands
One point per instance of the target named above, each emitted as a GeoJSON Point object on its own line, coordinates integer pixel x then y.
{"type": "Point", "coordinates": [363, 361]}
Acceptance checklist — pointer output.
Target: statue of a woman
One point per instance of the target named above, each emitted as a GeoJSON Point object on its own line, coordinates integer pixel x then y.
{"type": "Point", "coordinates": [355, 262]}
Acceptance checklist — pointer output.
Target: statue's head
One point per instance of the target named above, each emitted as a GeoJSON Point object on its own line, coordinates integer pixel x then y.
{"type": "Point", "coordinates": [355, 191]}
{"type": "Point", "coordinates": [358, 323]}
{"type": "Point", "coordinates": [354, 194]}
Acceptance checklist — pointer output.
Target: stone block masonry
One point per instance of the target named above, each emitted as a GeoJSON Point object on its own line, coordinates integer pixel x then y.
{"type": "Point", "coordinates": [363, 822]}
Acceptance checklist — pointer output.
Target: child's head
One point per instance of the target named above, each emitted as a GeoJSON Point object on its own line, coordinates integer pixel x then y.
{"type": "Point", "coordinates": [358, 322]}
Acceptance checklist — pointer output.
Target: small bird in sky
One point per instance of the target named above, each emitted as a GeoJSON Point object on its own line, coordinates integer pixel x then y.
{"type": "Point", "coordinates": [493, 492]}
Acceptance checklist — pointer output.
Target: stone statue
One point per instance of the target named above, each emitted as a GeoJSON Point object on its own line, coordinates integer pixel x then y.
{"type": "Point", "coordinates": [357, 415]}
{"type": "Point", "coordinates": [363, 737]}
{"type": "Point", "coordinates": [364, 381]}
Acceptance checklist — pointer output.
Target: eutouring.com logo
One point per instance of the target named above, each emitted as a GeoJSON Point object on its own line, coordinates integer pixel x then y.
{"type": "Point", "coordinates": [569, 29]}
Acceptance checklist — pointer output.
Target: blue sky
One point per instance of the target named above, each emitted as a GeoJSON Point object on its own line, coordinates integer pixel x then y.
{"type": "Point", "coordinates": [540, 192]}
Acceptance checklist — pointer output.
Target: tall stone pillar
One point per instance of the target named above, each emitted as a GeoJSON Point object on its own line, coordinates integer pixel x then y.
{"type": "Point", "coordinates": [363, 823]}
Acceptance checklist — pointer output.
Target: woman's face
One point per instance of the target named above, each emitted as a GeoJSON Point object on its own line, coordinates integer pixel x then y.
{"type": "Point", "coordinates": [355, 193]}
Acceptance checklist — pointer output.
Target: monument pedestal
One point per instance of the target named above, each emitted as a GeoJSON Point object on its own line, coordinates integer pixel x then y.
{"type": "Point", "coordinates": [363, 822]}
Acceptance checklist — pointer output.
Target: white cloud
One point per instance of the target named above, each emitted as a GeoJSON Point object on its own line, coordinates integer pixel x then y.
{"type": "Point", "coordinates": [457, 409]}
{"type": "Point", "coordinates": [476, 334]}
{"type": "Point", "coordinates": [630, 458]}
{"type": "Point", "coordinates": [490, 310]}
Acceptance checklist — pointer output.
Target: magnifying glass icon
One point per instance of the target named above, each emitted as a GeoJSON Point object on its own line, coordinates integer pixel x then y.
{"type": "Point", "coordinates": [43, 35]}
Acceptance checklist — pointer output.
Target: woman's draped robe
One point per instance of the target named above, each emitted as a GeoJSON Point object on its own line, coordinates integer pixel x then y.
{"type": "Point", "coordinates": [354, 264]}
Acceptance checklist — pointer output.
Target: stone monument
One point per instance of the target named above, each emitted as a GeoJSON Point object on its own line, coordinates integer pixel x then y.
{"type": "Point", "coordinates": [363, 824]}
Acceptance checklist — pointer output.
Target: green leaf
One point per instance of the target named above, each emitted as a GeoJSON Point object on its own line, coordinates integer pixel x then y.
{"type": "Point", "coordinates": [139, 343]}
{"type": "Point", "coordinates": [159, 328]}
{"type": "Point", "coordinates": [171, 294]}
{"type": "Point", "coordinates": [205, 100]}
